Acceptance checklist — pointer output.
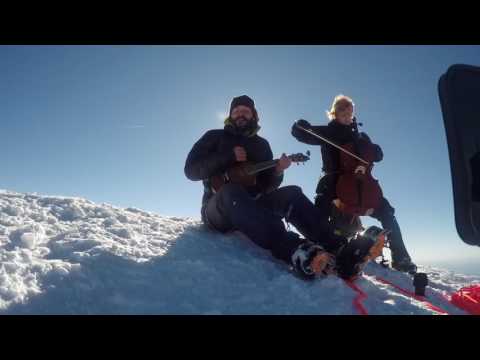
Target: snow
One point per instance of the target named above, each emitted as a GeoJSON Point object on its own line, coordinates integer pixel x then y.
{"type": "Point", "coordinates": [62, 255]}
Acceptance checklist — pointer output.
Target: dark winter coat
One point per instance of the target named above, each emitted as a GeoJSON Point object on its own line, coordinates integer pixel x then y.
{"type": "Point", "coordinates": [338, 134]}
{"type": "Point", "coordinates": [213, 154]}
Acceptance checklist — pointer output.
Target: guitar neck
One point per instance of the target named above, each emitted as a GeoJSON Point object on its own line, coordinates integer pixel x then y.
{"type": "Point", "coordinates": [253, 169]}
{"type": "Point", "coordinates": [262, 166]}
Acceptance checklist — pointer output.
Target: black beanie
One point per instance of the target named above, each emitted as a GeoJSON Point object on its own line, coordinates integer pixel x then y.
{"type": "Point", "coordinates": [242, 100]}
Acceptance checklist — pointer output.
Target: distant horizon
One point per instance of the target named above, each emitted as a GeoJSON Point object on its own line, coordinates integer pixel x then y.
{"type": "Point", "coordinates": [461, 266]}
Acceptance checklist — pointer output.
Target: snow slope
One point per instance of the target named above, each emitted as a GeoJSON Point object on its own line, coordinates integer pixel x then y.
{"type": "Point", "coordinates": [63, 255]}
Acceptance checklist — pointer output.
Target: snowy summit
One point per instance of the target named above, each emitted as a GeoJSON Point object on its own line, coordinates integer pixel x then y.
{"type": "Point", "coordinates": [62, 255]}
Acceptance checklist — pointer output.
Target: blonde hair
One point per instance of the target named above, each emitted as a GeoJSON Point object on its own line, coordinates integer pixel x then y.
{"type": "Point", "coordinates": [339, 103]}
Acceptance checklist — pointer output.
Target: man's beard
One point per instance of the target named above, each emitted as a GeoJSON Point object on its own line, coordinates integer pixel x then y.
{"type": "Point", "coordinates": [241, 122]}
{"type": "Point", "coordinates": [245, 126]}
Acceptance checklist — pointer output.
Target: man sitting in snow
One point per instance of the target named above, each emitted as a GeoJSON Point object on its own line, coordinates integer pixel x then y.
{"type": "Point", "coordinates": [257, 211]}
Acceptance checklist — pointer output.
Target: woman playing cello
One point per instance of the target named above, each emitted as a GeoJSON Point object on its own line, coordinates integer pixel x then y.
{"type": "Point", "coordinates": [347, 190]}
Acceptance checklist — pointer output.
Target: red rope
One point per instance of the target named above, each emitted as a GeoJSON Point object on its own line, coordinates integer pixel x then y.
{"type": "Point", "coordinates": [412, 294]}
{"type": "Point", "coordinates": [357, 302]}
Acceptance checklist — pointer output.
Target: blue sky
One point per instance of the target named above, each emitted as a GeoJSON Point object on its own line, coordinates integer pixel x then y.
{"type": "Point", "coordinates": [115, 123]}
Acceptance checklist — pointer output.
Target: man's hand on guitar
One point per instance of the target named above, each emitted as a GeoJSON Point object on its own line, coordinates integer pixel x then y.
{"type": "Point", "coordinates": [283, 163]}
{"type": "Point", "coordinates": [240, 154]}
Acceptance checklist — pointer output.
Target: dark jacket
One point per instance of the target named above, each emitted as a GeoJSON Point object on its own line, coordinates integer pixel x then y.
{"type": "Point", "coordinates": [340, 135]}
{"type": "Point", "coordinates": [213, 155]}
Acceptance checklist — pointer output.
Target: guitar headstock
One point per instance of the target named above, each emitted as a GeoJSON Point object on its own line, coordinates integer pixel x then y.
{"type": "Point", "coordinates": [299, 157]}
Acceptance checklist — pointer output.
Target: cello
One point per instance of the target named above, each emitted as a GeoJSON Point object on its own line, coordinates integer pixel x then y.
{"type": "Point", "coordinates": [358, 193]}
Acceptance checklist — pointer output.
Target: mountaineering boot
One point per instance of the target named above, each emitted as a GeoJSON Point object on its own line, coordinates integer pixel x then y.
{"type": "Point", "coordinates": [311, 260]}
{"type": "Point", "coordinates": [354, 256]}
